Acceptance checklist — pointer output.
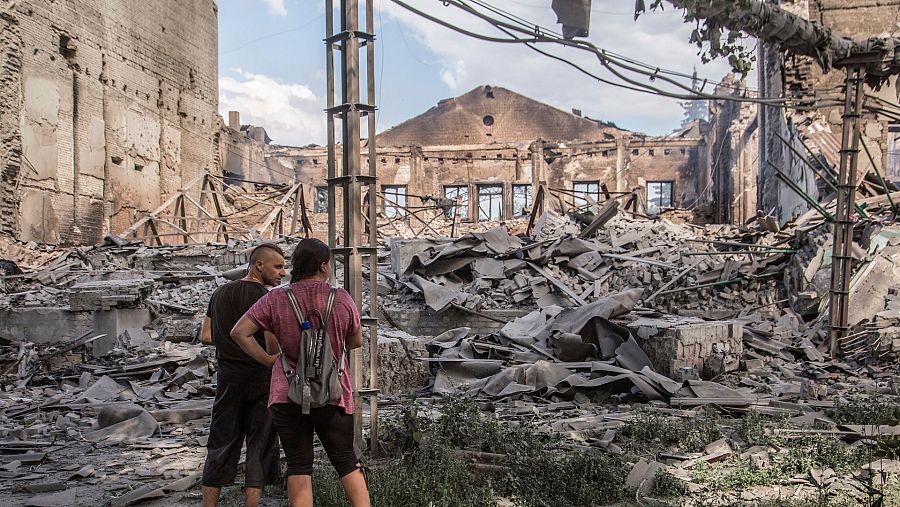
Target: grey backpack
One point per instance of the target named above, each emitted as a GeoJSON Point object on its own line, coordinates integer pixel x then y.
{"type": "Point", "coordinates": [316, 380]}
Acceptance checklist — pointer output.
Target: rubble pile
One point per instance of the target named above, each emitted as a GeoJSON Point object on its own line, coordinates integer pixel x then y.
{"type": "Point", "coordinates": [559, 265]}
{"type": "Point", "coordinates": [122, 429]}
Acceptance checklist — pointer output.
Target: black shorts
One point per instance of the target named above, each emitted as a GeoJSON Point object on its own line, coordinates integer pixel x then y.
{"type": "Point", "coordinates": [239, 413]}
{"type": "Point", "coordinates": [331, 423]}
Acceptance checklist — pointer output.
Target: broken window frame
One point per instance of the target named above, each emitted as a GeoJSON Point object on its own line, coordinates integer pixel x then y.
{"type": "Point", "coordinates": [320, 203]}
{"type": "Point", "coordinates": [462, 192]}
{"type": "Point", "coordinates": [492, 195]}
{"type": "Point", "coordinates": [521, 203]}
{"type": "Point", "coordinates": [892, 171]}
{"type": "Point", "coordinates": [587, 187]}
{"type": "Point", "coordinates": [395, 201]}
{"type": "Point", "coordinates": [657, 202]}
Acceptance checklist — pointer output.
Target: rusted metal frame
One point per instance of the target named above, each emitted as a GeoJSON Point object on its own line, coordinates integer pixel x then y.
{"type": "Point", "coordinates": [296, 211]}
{"type": "Point", "coordinates": [277, 210]}
{"type": "Point", "coordinates": [179, 233]}
{"type": "Point", "coordinates": [841, 269]}
{"type": "Point", "coordinates": [428, 225]}
{"type": "Point", "coordinates": [152, 225]}
{"type": "Point", "coordinates": [205, 212]}
{"type": "Point", "coordinates": [216, 196]}
{"type": "Point", "coordinates": [829, 177]}
{"type": "Point", "coordinates": [455, 216]}
{"type": "Point", "coordinates": [537, 207]}
{"type": "Point", "coordinates": [134, 227]}
{"type": "Point", "coordinates": [184, 233]}
{"type": "Point", "coordinates": [242, 180]}
{"type": "Point", "coordinates": [409, 214]}
{"type": "Point", "coordinates": [181, 214]}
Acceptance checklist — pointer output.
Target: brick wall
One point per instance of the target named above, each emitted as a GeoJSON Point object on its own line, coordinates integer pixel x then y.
{"type": "Point", "coordinates": [622, 165]}
{"type": "Point", "coordinates": [117, 107]}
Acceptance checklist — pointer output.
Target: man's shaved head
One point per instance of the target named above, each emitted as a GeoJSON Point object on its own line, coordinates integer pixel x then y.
{"type": "Point", "coordinates": [264, 253]}
{"type": "Point", "coordinates": [266, 264]}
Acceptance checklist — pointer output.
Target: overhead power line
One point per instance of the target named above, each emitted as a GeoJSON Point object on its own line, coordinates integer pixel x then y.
{"type": "Point", "coordinates": [530, 35]}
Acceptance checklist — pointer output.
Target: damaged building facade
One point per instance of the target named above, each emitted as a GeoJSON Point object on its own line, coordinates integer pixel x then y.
{"type": "Point", "coordinates": [750, 144]}
{"type": "Point", "coordinates": [106, 107]}
{"type": "Point", "coordinates": [488, 150]}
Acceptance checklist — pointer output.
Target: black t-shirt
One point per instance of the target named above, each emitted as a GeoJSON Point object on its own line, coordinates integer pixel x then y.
{"type": "Point", "coordinates": [226, 306]}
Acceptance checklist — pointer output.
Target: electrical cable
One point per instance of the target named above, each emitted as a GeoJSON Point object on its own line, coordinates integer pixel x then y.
{"type": "Point", "coordinates": [604, 58]}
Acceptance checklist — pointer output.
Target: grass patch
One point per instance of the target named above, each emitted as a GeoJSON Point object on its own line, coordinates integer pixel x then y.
{"type": "Point", "coordinates": [798, 457]}
{"type": "Point", "coordinates": [668, 486]}
{"type": "Point", "coordinates": [425, 473]}
{"type": "Point", "coordinates": [649, 433]}
{"type": "Point", "coordinates": [866, 410]}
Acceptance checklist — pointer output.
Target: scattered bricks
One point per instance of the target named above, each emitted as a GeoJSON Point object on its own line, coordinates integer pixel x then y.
{"type": "Point", "coordinates": [109, 294]}
{"type": "Point", "coordinates": [710, 348]}
{"type": "Point", "coordinates": [401, 368]}
{"type": "Point", "coordinates": [178, 328]}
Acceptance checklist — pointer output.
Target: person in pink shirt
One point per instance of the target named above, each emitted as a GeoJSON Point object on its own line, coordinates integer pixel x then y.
{"type": "Point", "coordinates": [310, 272]}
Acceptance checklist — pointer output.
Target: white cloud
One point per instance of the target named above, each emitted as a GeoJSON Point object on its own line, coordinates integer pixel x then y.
{"type": "Point", "coordinates": [656, 38]}
{"type": "Point", "coordinates": [290, 112]}
{"type": "Point", "coordinates": [276, 7]}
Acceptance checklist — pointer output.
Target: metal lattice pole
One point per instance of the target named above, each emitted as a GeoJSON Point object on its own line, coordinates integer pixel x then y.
{"type": "Point", "coordinates": [842, 262]}
{"type": "Point", "coordinates": [352, 249]}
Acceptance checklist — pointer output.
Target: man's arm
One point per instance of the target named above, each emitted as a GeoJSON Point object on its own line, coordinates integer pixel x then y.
{"type": "Point", "coordinates": [206, 331]}
{"type": "Point", "coordinates": [354, 341]}
{"type": "Point", "coordinates": [272, 344]}
{"type": "Point", "coordinates": [242, 333]}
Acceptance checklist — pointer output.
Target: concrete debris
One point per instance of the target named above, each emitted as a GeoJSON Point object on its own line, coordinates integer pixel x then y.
{"type": "Point", "coordinates": [585, 323]}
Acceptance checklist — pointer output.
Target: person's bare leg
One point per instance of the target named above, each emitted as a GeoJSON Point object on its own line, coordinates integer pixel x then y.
{"type": "Point", "coordinates": [252, 495]}
{"type": "Point", "coordinates": [210, 496]}
{"type": "Point", "coordinates": [300, 490]}
{"type": "Point", "coordinates": [356, 489]}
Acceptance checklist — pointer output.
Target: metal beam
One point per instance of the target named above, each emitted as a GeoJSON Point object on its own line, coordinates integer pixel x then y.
{"type": "Point", "coordinates": [841, 268]}
{"type": "Point", "coordinates": [351, 181]}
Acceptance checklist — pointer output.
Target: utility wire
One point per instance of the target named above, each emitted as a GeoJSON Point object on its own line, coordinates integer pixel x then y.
{"type": "Point", "coordinates": [606, 60]}
{"type": "Point", "coordinates": [536, 35]}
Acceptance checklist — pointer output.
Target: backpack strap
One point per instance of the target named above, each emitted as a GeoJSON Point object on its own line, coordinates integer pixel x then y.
{"type": "Point", "coordinates": [342, 358]}
{"type": "Point", "coordinates": [296, 306]}
{"type": "Point", "coordinates": [328, 307]}
{"type": "Point", "coordinates": [288, 371]}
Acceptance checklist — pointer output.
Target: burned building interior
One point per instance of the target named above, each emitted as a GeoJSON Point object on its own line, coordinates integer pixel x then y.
{"type": "Point", "coordinates": [556, 310]}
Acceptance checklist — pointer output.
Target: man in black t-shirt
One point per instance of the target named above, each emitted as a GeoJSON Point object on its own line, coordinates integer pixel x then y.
{"type": "Point", "coordinates": [242, 390]}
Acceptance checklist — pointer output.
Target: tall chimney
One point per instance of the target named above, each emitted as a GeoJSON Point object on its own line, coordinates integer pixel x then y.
{"type": "Point", "coordinates": [234, 120]}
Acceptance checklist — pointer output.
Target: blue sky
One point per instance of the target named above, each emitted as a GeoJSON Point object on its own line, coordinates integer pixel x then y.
{"type": "Point", "coordinates": [272, 63]}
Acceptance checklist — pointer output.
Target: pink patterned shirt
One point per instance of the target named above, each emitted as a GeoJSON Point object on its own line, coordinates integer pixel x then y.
{"type": "Point", "coordinates": [273, 313]}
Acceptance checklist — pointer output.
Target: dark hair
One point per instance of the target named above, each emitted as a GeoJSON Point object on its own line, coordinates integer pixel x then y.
{"type": "Point", "coordinates": [258, 252]}
{"type": "Point", "coordinates": [308, 256]}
